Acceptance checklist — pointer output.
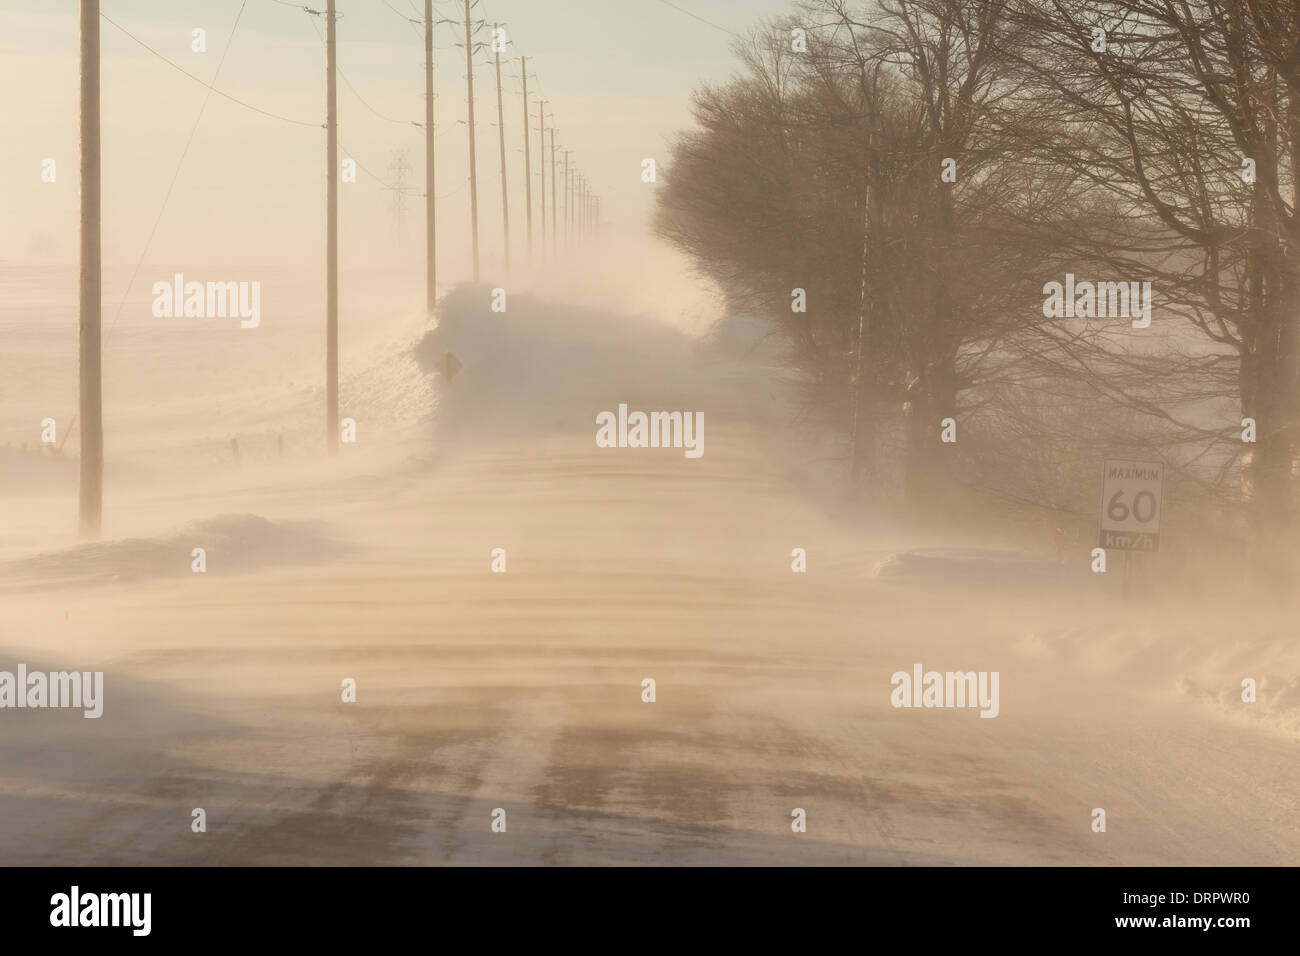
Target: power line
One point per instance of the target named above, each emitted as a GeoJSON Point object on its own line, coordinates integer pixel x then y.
{"type": "Point", "coordinates": [176, 173]}
{"type": "Point", "coordinates": [362, 166]}
{"type": "Point", "coordinates": [390, 119]}
{"type": "Point", "coordinates": [407, 20]}
{"type": "Point", "coordinates": [348, 84]}
{"type": "Point", "coordinates": [696, 16]}
{"type": "Point", "coordinates": [250, 106]}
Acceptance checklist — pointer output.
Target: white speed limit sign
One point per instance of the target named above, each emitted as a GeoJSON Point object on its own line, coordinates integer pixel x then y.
{"type": "Point", "coordinates": [1130, 505]}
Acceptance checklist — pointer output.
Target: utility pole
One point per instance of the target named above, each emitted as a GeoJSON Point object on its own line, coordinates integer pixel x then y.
{"type": "Point", "coordinates": [90, 404]}
{"type": "Point", "coordinates": [555, 209]}
{"type": "Point", "coordinates": [473, 166]}
{"type": "Point", "coordinates": [331, 234]}
{"type": "Point", "coordinates": [501, 130]}
{"type": "Point", "coordinates": [568, 203]}
{"type": "Point", "coordinates": [528, 160]}
{"type": "Point", "coordinates": [862, 435]}
{"type": "Point", "coordinates": [541, 155]}
{"type": "Point", "coordinates": [430, 234]}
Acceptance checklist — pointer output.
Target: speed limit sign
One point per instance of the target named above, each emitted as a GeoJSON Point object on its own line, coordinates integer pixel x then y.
{"type": "Point", "coordinates": [1130, 505]}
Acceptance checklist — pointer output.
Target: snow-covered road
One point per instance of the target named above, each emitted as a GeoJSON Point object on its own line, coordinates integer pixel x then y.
{"type": "Point", "coordinates": [522, 691]}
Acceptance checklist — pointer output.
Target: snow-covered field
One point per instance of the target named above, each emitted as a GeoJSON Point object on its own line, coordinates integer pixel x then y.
{"type": "Point", "coordinates": [523, 690]}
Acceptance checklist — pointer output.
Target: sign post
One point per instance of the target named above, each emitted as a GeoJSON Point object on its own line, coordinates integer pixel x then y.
{"type": "Point", "coordinates": [1131, 493]}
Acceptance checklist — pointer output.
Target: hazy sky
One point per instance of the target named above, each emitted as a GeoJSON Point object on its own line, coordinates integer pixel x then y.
{"type": "Point", "coordinates": [618, 75]}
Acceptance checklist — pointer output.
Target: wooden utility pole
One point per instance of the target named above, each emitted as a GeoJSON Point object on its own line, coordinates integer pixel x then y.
{"type": "Point", "coordinates": [555, 209]}
{"type": "Point", "coordinates": [473, 165]}
{"type": "Point", "coordinates": [501, 130]}
{"type": "Point", "coordinates": [430, 234]}
{"type": "Point", "coordinates": [90, 404]}
{"type": "Point", "coordinates": [568, 203]}
{"type": "Point", "coordinates": [528, 160]}
{"type": "Point", "coordinates": [862, 437]}
{"type": "Point", "coordinates": [331, 234]}
{"type": "Point", "coordinates": [541, 155]}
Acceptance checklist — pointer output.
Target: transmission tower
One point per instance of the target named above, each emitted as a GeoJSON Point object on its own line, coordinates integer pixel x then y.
{"type": "Point", "coordinates": [398, 167]}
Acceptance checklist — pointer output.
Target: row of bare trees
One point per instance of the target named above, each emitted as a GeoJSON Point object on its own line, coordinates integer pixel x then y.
{"type": "Point", "coordinates": [1148, 140]}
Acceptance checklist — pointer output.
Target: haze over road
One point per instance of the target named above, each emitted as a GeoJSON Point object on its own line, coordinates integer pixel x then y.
{"type": "Point", "coordinates": [522, 690]}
